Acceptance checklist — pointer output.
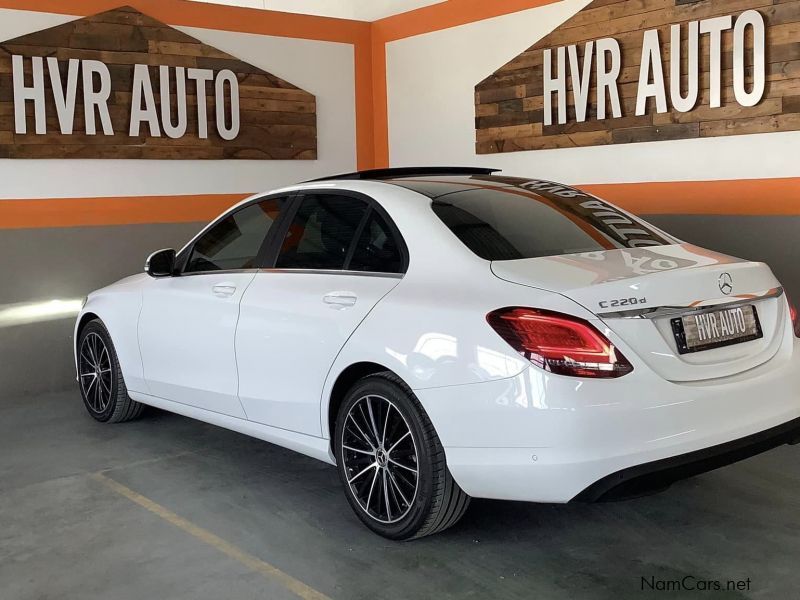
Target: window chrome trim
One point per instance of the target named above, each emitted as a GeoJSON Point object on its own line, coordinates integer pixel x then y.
{"type": "Point", "coordinates": [334, 272]}
{"type": "Point", "coordinates": [674, 311]}
{"type": "Point", "coordinates": [220, 272]}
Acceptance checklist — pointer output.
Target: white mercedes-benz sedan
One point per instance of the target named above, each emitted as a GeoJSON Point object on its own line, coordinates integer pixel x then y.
{"type": "Point", "coordinates": [447, 333]}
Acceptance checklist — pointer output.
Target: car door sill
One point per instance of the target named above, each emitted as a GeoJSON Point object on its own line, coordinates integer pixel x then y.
{"type": "Point", "coordinates": [314, 447]}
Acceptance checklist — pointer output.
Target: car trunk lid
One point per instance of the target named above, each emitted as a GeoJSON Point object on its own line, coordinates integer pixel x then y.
{"type": "Point", "coordinates": [638, 293]}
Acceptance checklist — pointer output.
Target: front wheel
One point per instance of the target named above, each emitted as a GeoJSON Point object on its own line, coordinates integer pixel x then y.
{"type": "Point", "coordinates": [100, 377]}
{"type": "Point", "coordinates": [392, 464]}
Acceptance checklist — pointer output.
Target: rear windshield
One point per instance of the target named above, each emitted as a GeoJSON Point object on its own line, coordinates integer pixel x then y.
{"type": "Point", "coordinates": [510, 224]}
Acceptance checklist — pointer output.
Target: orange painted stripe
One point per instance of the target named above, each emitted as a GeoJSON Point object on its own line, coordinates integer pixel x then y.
{"type": "Point", "coordinates": [731, 197]}
{"type": "Point", "coordinates": [753, 197]}
{"type": "Point", "coordinates": [213, 16]}
{"type": "Point", "coordinates": [126, 210]}
{"type": "Point", "coordinates": [365, 107]}
{"type": "Point", "coordinates": [448, 14]}
{"type": "Point", "coordinates": [380, 104]}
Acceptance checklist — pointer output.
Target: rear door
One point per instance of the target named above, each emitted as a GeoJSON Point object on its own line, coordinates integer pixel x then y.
{"type": "Point", "coordinates": [340, 255]}
{"type": "Point", "coordinates": [188, 322]}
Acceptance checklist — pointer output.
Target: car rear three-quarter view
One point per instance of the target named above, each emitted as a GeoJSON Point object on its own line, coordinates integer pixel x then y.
{"type": "Point", "coordinates": [447, 333]}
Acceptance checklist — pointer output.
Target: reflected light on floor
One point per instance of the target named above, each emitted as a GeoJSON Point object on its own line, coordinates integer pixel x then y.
{"type": "Point", "coordinates": [26, 313]}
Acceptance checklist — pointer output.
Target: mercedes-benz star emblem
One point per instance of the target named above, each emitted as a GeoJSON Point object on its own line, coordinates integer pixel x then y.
{"type": "Point", "coordinates": [726, 283]}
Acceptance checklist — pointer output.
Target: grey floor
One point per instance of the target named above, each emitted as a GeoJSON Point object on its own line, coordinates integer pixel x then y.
{"type": "Point", "coordinates": [243, 504]}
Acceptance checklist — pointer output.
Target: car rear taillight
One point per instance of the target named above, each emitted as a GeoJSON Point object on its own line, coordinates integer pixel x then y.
{"type": "Point", "coordinates": [559, 343]}
{"type": "Point", "coordinates": [795, 318]}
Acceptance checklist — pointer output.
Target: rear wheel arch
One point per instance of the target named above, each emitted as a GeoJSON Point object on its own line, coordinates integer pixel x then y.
{"type": "Point", "coordinates": [344, 382]}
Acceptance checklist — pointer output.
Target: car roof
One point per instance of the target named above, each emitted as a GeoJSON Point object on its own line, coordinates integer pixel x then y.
{"type": "Point", "coordinates": [435, 187]}
{"type": "Point", "coordinates": [436, 182]}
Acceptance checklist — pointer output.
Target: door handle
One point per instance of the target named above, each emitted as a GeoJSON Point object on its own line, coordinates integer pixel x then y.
{"type": "Point", "coordinates": [340, 300]}
{"type": "Point", "coordinates": [224, 290]}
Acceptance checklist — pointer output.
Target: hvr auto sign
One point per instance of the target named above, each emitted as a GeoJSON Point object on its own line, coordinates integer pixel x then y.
{"type": "Point", "coordinates": [96, 87]}
{"type": "Point", "coordinates": [606, 57]}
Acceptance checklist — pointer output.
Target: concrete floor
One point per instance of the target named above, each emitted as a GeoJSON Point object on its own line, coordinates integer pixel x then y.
{"type": "Point", "coordinates": [223, 516]}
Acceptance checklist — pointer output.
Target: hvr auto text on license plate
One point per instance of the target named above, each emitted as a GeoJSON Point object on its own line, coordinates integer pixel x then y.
{"type": "Point", "coordinates": [716, 328]}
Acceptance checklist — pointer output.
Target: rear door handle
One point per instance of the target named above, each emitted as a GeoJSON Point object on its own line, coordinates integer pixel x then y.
{"type": "Point", "coordinates": [340, 300]}
{"type": "Point", "coordinates": [224, 290]}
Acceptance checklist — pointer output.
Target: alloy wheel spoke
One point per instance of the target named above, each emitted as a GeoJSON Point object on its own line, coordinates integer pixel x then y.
{"type": "Point", "coordinates": [385, 423]}
{"type": "Point", "coordinates": [404, 436]}
{"type": "Point", "coordinates": [371, 466]}
{"type": "Point", "coordinates": [96, 395]}
{"type": "Point", "coordinates": [351, 449]}
{"type": "Point", "coordinates": [106, 387]}
{"type": "Point", "coordinates": [366, 425]}
{"type": "Point", "coordinates": [371, 489]}
{"type": "Point", "coordinates": [404, 478]}
{"type": "Point", "coordinates": [386, 496]}
{"type": "Point", "coordinates": [397, 487]}
{"type": "Point", "coordinates": [402, 466]}
{"type": "Point", "coordinates": [85, 357]}
{"type": "Point", "coordinates": [101, 395]}
{"type": "Point", "coordinates": [364, 436]}
{"type": "Point", "coordinates": [92, 348]}
{"type": "Point", "coordinates": [372, 421]}
{"type": "Point", "coordinates": [91, 358]}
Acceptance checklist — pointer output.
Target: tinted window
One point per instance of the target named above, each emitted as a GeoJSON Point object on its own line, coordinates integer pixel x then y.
{"type": "Point", "coordinates": [377, 250]}
{"type": "Point", "coordinates": [234, 242]}
{"type": "Point", "coordinates": [322, 232]}
{"type": "Point", "coordinates": [509, 225]}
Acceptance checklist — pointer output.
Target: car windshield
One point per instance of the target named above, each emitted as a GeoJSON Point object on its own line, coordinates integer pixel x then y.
{"type": "Point", "coordinates": [511, 223]}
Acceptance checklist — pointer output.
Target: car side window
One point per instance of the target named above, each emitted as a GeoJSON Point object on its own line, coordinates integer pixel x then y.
{"type": "Point", "coordinates": [322, 232]}
{"type": "Point", "coordinates": [377, 250]}
{"type": "Point", "coordinates": [234, 242]}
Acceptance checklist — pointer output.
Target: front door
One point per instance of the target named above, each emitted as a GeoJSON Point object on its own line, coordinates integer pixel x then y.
{"type": "Point", "coordinates": [188, 322]}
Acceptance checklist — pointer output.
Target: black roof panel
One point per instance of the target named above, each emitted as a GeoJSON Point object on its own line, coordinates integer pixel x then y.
{"type": "Point", "coordinates": [438, 186]}
{"type": "Point", "coordinates": [379, 174]}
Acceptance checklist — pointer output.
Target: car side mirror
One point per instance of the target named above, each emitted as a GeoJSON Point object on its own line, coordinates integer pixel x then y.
{"type": "Point", "coordinates": [161, 263]}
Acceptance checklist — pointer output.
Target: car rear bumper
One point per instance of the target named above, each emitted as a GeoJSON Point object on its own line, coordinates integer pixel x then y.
{"type": "Point", "coordinates": [657, 475]}
{"type": "Point", "coordinates": [543, 438]}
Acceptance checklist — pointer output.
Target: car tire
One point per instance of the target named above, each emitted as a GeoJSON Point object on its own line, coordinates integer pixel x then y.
{"type": "Point", "coordinates": [382, 436]}
{"type": "Point", "coordinates": [100, 379]}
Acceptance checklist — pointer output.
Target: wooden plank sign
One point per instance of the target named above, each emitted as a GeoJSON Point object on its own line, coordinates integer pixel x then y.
{"type": "Point", "coordinates": [120, 84]}
{"type": "Point", "coordinates": [625, 71]}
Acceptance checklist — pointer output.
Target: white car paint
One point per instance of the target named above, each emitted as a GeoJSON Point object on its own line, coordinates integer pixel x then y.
{"type": "Point", "coordinates": [187, 329]}
{"type": "Point", "coordinates": [264, 361]}
{"type": "Point", "coordinates": [292, 326]}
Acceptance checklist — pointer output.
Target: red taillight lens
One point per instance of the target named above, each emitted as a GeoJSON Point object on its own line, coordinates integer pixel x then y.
{"type": "Point", "coordinates": [795, 318]}
{"type": "Point", "coordinates": [559, 343]}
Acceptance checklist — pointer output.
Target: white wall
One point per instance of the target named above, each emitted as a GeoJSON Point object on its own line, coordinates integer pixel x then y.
{"type": "Point", "coordinates": [325, 69]}
{"type": "Point", "coordinates": [362, 10]}
{"type": "Point", "coordinates": [431, 80]}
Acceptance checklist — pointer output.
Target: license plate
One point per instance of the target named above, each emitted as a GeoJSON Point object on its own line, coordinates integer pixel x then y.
{"type": "Point", "coordinates": [716, 328]}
